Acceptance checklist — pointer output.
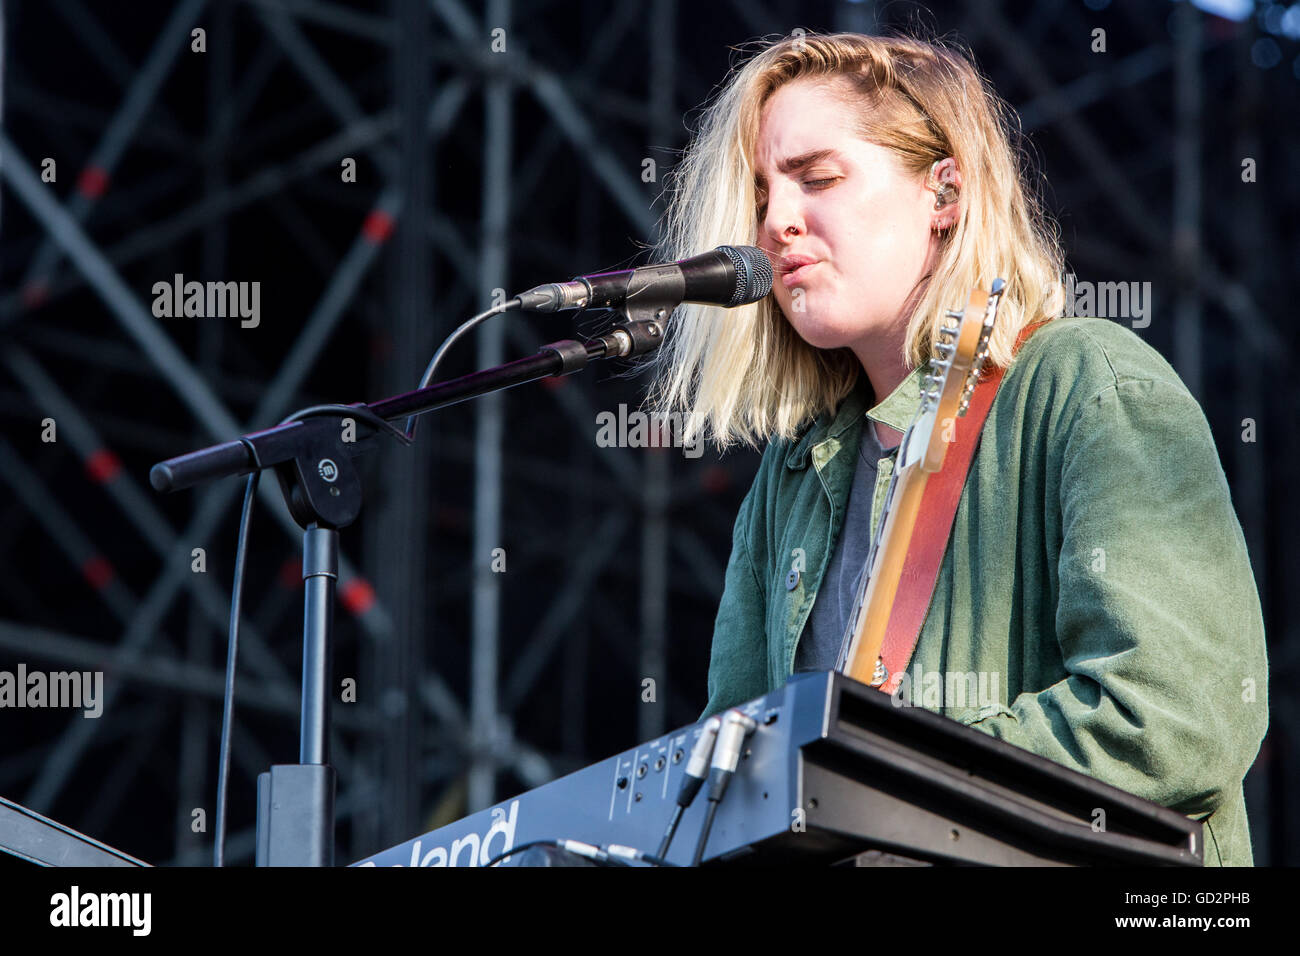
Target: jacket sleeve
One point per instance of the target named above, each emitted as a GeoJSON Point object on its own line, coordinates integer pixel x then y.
{"type": "Point", "coordinates": [738, 658]}
{"type": "Point", "coordinates": [1158, 619]}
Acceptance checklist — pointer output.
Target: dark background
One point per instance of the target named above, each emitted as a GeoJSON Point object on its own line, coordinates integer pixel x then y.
{"type": "Point", "coordinates": [225, 165]}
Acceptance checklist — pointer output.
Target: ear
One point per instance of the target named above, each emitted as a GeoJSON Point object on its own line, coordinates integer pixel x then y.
{"type": "Point", "coordinates": [945, 181]}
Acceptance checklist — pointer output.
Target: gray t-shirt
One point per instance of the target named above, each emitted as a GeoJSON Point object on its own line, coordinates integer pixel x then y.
{"type": "Point", "coordinates": [819, 644]}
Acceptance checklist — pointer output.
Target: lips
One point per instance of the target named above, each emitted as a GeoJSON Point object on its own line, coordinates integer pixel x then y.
{"type": "Point", "coordinates": [796, 269]}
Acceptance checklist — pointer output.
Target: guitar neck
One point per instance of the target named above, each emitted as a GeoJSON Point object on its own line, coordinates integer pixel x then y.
{"type": "Point", "coordinates": [960, 352]}
{"type": "Point", "coordinates": [862, 645]}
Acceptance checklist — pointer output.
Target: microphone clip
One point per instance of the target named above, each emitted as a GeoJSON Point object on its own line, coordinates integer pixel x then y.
{"type": "Point", "coordinates": [641, 329]}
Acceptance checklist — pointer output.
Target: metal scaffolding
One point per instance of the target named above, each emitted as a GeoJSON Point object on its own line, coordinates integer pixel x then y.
{"type": "Point", "coordinates": [509, 579]}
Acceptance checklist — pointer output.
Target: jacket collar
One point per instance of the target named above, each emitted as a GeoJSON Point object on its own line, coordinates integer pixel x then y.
{"type": "Point", "coordinates": [896, 411]}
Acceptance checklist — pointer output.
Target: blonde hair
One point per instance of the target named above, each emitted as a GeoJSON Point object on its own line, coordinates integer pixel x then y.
{"type": "Point", "coordinates": [744, 374]}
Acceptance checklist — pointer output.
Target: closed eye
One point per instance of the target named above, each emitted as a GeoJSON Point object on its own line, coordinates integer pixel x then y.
{"type": "Point", "coordinates": [814, 183]}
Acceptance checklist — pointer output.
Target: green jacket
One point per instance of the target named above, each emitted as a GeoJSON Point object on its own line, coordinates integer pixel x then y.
{"type": "Point", "coordinates": [1096, 578]}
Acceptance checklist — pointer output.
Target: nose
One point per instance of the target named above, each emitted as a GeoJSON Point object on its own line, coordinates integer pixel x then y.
{"type": "Point", "coordinates": [783, 218]}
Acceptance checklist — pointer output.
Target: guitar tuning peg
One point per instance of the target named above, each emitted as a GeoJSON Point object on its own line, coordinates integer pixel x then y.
{"type": "Point", "coordinates": [999, 285]}
{"type": "Point", "coordinates": [953, 314]}
{"type": "Point", "coordinates": [946, 349]}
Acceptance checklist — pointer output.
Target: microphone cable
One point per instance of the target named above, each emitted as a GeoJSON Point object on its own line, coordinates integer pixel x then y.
{"type": "Point", "coordinates": [413, 421]}
{"type": "Point", "coordinates": [228, 696]}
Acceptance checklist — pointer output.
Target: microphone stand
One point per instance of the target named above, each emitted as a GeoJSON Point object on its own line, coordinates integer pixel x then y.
{"type": "Point", "coordinates": [320, 484]}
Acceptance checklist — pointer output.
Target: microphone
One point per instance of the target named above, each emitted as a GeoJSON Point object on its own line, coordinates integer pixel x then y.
{"type": "Point", "coordinates": [727, 276]}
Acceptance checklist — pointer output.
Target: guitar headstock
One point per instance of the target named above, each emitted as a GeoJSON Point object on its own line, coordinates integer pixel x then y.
{"type": "Point", "coordinates": [961, 352]}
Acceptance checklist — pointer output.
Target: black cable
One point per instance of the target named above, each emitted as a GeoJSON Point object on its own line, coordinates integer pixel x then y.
{"type": "Point", "coordinates": [704, 832]}
{"type": "Point", "coordinates": [736, 726]}
{"type": "Point", "coordinates": [693, 777]}
{"type": "Point", "coordinates": [519, 849]}
{"type": "Point", "coordinates": [672, 830]}
{"type": "Point", "coordinates": [515, 303]}
{"type": "Point", "coordinates": [228, 700]}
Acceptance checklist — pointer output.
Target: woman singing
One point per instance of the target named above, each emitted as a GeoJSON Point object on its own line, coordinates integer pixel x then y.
{"type": "Point", "coordinates": [1096, 576]}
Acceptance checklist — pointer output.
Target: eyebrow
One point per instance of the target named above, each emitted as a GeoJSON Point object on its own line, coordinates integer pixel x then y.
{"type": "Point", "coordinates": [796, 163]}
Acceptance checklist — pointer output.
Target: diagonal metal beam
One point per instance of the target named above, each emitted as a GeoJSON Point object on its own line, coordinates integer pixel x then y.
{"type": "Point", "coordinates": [112, 788]}
{"type": "Point", "coordinates": [174, 551]}
{"type": "Point", "coordinates": [236, 104]}
{"type": "Point", "coordinates": [138, 508]}
{"type": "Point", "coordinates": [1233, 297]}
{"type": "Point", "coordinates": [84, 557]}
{"type": "Point", "coordinates": [565, 605]}
{"type": "Point", "coordinates": [333, 93]}
{"type": "Point", "coordinates": [99, 44]}
{"type": "Point", "coordinates": [266, 182]}
{"type": "Point", "coordinates": [135, 106]}
{"type": "Point", "coordinates": [116, 356]}
{"type": "Point", "coordinates": [24, 95]}
{"type": "Point", "coordinates": [17, 766]}
{"type": "Point", "coordinates": [143, 627]}
{"type": "Point", "coordinates": [605, 45]}
{"type": "Point", "coordinates": [116, 294]}
{"type": "Point", "coordinates": [550, 91]}
{"type": "Point", "coordinates": [1124, 199]}
{"type": "Point", "coordinates": [171, 363]}
{"type": "Point", "coordinates": [1116, 188]}
{"type": "Point", "coordinates": [347, 277]}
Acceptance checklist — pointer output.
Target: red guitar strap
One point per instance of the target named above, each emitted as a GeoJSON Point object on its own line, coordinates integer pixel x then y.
{"type": "Point", "coordinates": [933, 526]}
